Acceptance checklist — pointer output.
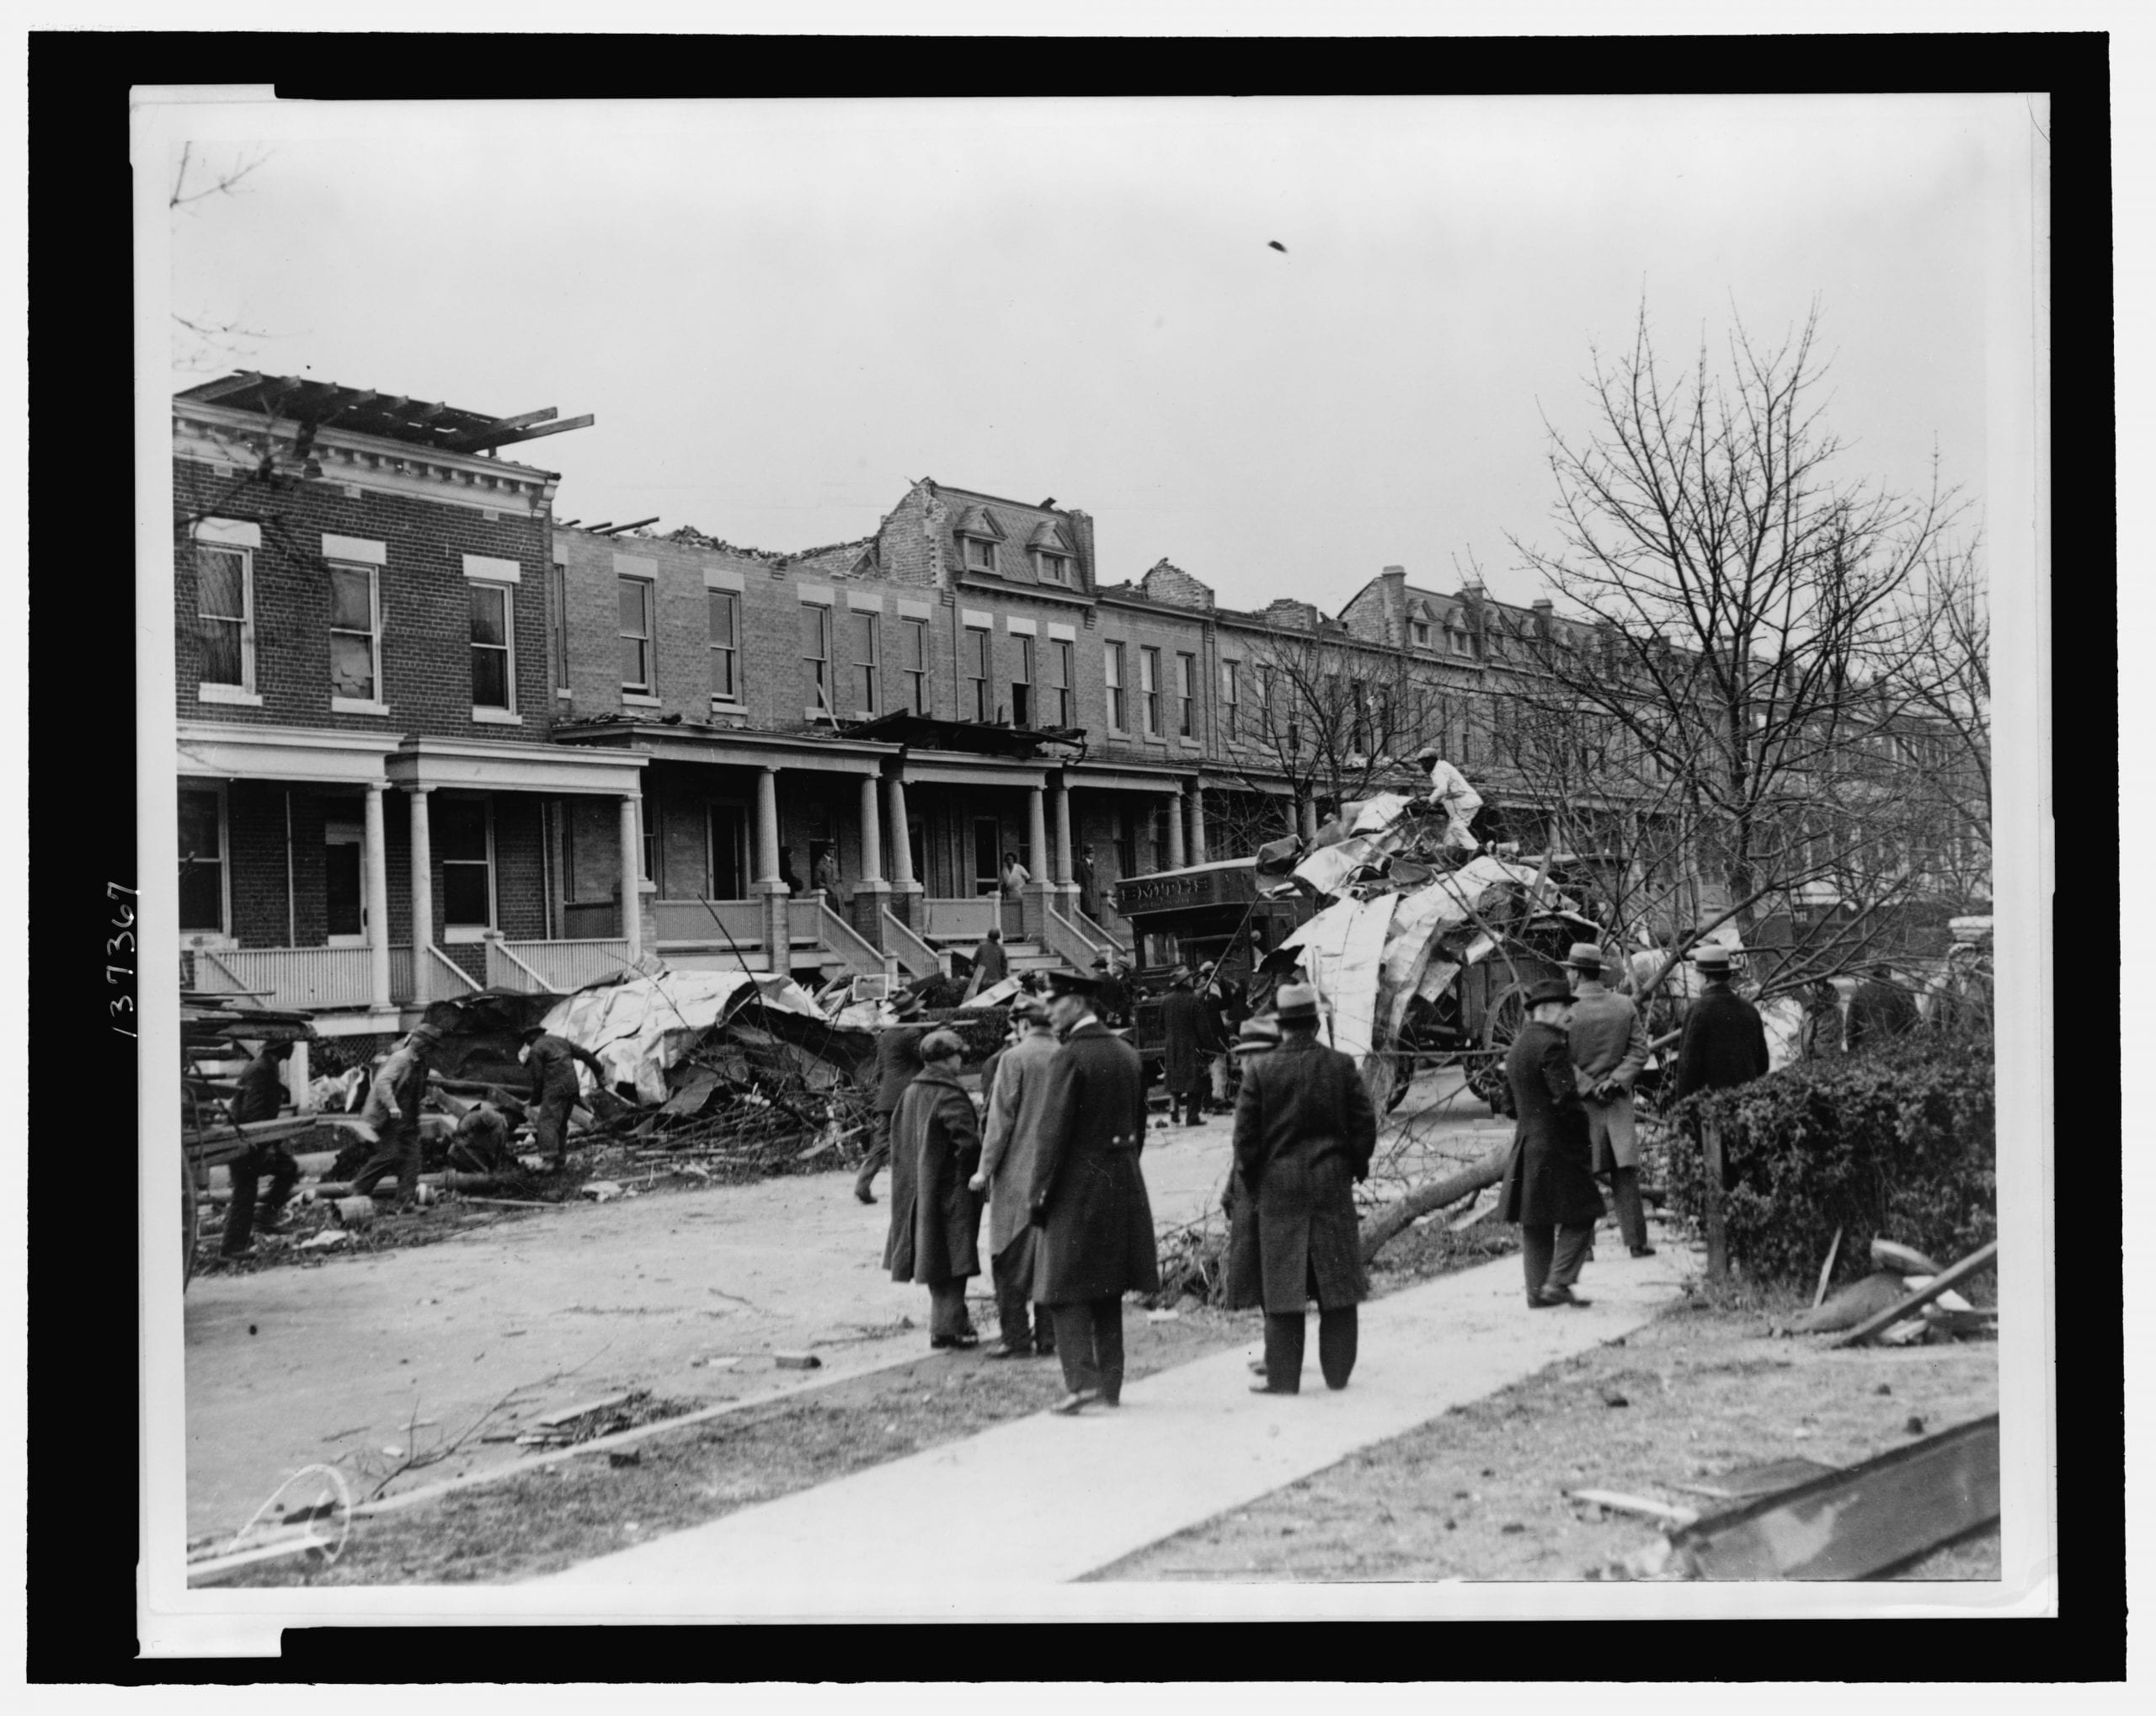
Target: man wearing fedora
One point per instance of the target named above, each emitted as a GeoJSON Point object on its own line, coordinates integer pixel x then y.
{"type": "Point", "coordinates": [1548, 1187]}
{"type": "Point", "coordinates": [1017, 1091]}
{"type": "Point", "coordinates": [1088, 1197]}
{"type": "Point", "coordinates": [1305, 1132]}
{"type": "Point", "coordinates": [935, 1235]}
{"type": "Point", "coordinates": [1725, 1041]}
{"type": "Point", "coordinates": [1609, 1046]}
{"type": "Point", "coordinates": [898, 1062]}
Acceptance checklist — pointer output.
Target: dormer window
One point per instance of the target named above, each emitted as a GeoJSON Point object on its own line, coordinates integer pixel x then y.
{"type": "Point", "coordinates": [1419, 632]}
{"type": "Point", "coordinates": [1052, 568]}
{"type": "Point", "coordinates": [981, 554]}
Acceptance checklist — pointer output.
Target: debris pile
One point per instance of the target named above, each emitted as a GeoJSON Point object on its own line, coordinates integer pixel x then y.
{"type": "Point", "coordinates": [594, 1419]}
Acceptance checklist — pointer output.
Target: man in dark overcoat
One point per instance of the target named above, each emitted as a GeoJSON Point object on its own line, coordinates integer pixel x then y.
{"type": "Point", "coordinates": [898, 1060]}
{"type": "Point", "coordinates": [1088, 1199]}
{"type": "Point", "coordinates": [554, 1090]}
{"type": "Point", "coordinates": [1879, 1010]}
{"type": "Point", "coordinates": [1305, 1132]}
{"type": "Point", "coordinates": [1550, 1188]}
{"type": "Point", "coordinates": [935, 1213]}
{"type": "Point", "coordinates": [1182, 1065]}
{"type": "Point", "coordinates": [1016, 1090]}
{"type": "Point", "coordinates": [1725, 1041]}
{"type": "Point", "coordinates": [1244, 1284]}
{"type": "Point", "coordinates": [261, 1096]}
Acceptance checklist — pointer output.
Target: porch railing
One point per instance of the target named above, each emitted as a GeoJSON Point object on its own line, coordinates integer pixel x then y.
{"type": "Point", "coordinates": [559, 966]}
{"type": "Point", "coordinates": [693, 921]}
{"type": "Point", "coordinates": [1065, 940]}
{"type": "Point", "coordinates": [287, 977]}
{"type": "Point", "coordinates": [918, 959]}
{"type": "Point", "coordinates": [836, 937]}
{"type": "Point", "coordinates": [443, 978]}
{"type": "Point", "coordinates": [967, 920]}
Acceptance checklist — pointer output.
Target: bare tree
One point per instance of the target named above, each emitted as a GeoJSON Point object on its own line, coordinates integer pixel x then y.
{"type": "Point", "coordinates": [1739, 669]}
{"type": "Point", "coordinates": [203, 341]}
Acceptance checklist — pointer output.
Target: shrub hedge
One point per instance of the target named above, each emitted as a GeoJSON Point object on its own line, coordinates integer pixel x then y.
{"type": "Point", "coordinates": [1895, 1144]}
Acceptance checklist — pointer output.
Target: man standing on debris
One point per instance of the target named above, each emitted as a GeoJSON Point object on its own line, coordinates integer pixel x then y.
{"type": "Point", "coordinates": [935, 1213]}
{"type": "Point", "coordinates": [898, 1062]}
{"type": "Point", "coordinates": [393, 1109]}
{"type": "Point", "coordinates": [1725, 1041]}
{"type": "Point", "coordinates": [1017, 1088]}
{"type": "Point", "coordinates": [261, 1097]}
{"type": "Point", "coordinates": [1305, 1133]}
{"type": "Point", "coordinates": [1088, 1197]}
{"type": "Point", "coordinates": [1548, 1187]}
{"type": "Point", "coordinates": [1450, 793]}
{"type": "Point", "coordinates": [554, 1090]}
{"type": "Point", "coordinates": [991, 962]}
{"type": "Point", "coordinates": [1609, 1047]}
{"type": "Point", "coordinates": [1879, 1010]}
{"type": "Point", "coordinates": [1182, 1069]}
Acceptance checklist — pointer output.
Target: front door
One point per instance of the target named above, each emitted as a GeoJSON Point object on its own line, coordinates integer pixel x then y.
{"type": "Point", "coordinates": [344, 893]}
{"type": "Point", "coordinates": [987, 868]}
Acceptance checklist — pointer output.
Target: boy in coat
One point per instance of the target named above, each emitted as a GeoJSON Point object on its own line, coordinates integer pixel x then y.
{"type": "Point", "coordinates": [1017, 1090]}
{"type": "Point", "coordinates": [1549, 1188]}
{"type": "Point", "coordinates": [1088, 1199]}
{"type": "Point", "coordinates": [1305, 1132]}
{"type": "Point", "coordinates": [935, 1213]}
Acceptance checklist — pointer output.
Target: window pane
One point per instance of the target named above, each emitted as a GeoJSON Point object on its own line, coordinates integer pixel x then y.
{"type": "Point", "coordinates": [490, 678]}
{"type": "Point", "coordinates": [222, 582]}
{"type": "Point", "coordinates": [221, 653]}
{"type": "Point", "coordinates": [864, 638]}
{"type": "Point", "coordinates": [459, 826]}
{"type": "Point", "coordinates": [721, 616]}
{"type": "Point", "coordinates": [197, 825]}
{"type": "Point", "coordinates": [351, 598]}
{"type": "Point", "coordinates": [632, 673]}
{"type": "Point", "coordinates": [351, 665]}
{"type": "Point", "coordinates": [916, 641]}
{"type": "Point", "coordinates": [464, 895]}
{"type": "Point", "coordinates": [815, 630]}
{"type": "Point", "coordinates": [202, 897]}
{"type": "Point", "coordinates": [632, 612]}
{"type": "Point", "coordinates": [864, 688]}
{"type": "Point", "coordinates": [489, 615]}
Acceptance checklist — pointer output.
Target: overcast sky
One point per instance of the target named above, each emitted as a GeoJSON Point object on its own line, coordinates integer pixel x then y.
{"type": "Point", "coordinates": [782, 313]}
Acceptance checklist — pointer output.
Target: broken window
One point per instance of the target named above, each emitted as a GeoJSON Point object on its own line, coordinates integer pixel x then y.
{"type": "Point", "coordinates": [493, 676]}
{"type": "Point", "coordinates": [355, 633]}
{"type": "Point", "coordinates": [636, 635]}
{"type": "Point", "coordinates": [725, 646]}
{"type": "Point", "coordinates": [224, 600]}
{"type": "Point", "coordinates": [202, 861]}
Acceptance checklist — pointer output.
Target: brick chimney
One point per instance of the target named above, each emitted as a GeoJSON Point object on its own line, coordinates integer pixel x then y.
{"type": "Point", "coordinates": [1394, 604]}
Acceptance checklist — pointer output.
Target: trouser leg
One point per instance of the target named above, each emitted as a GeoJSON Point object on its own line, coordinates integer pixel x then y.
{"type": "Point", "coordinates": [879, 1152]}
{"type": "Point", "coordinates": [1336, 1344]}
{"type": "Point", "coordinates": [1632, 1218]}
{"type": "Point", "coordinates": [1569, 1253]}
{"type": "Point", "coordinates": [1535, 1242]}
{"type": "Point", "coordinates": [1283, 1351]}
{"type": "Point", "coordinates": [1107, 1346]}
{"type": "Point", "coordinates": [388, 1159]}
{"type": "Point", "coordinates": [240, 1218]}
{"type": "Point", "coordinates": [946, 1310]}
{"type": "Point", "coordinates": [1074, 1346]}
{"type": "Point", "coordinates": [1014, 1279]}
{"type": "Point", "coordinates": [1219, 1069]}
{"type": "Point", "coordinates": [1044, 1331]}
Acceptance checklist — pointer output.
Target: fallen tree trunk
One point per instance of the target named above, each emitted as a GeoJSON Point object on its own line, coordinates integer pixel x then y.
{"type": "Point", "coordinates": [1395, 1219]}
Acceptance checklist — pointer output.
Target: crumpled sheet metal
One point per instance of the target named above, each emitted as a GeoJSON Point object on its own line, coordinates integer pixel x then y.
{"type": "Point", "coordinates": [995, 995]}
{"type": "Point", "coordinates": [641, 1027]}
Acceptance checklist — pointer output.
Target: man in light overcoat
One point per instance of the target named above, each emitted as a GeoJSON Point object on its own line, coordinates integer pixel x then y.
{"type": "Point", "coordinates": [1609, 1046]}
{"type": "Point", "coordinates": [1018, 1094]}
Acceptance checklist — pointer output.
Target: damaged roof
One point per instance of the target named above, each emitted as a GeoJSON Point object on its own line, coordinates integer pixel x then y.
{"type": "Point", "coordinates": [446, 428]}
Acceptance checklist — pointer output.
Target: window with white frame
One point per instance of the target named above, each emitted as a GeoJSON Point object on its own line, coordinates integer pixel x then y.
{"type": "Point", "coordinates": [1112, 653]}
{"type": "Point", "coordinates": [463, 838]}
{"type": "Point", "coordinates": [1230, 696]}
{"type": "Point", "coordinates": [913, 663]}
{"type": "Point", "coordinates": [1052, 568]}
{"type": "Point", "coordinates": [493, 648]}
{"type": "Point", "coordinates": [1418, 631]}
{"type": "Point", "coordinates": [816, 656]}
{"type": "Point", "coordinates": [725, 608]}
{"type": "Point", "coordinates": [636, 635]}
{"type": "Point", "coordinates": [981, 554]}
{"type": "Point", "coordinates": [1149, 689]}
{"type": "Point", "coordinates": [863, 628]}
{"type": "Point", "coordinates": [1186, 696]}
{"type": "Point", "coordinates": [202, 860]}
{"type": "Point", "coordinates": [355, 632]}
{"type": "Point", "coordinates": [975, 704]}
{"type": "Point", "coordinates": [558, 589]}
{"type": "Point", "coordinates": [1021, 682]}
{"type": "Point", "coordinates": [224, 583]}
{"type": "Point", "coordinates": [1062, 655]}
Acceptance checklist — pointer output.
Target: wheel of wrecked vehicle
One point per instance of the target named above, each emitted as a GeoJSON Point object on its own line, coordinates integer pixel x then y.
{"type": "Point", "coordinates": [191, 1219]}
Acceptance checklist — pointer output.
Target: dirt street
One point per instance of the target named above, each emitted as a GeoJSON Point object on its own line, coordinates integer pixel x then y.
{"type": "Point", "coordinates": [288, 1367]}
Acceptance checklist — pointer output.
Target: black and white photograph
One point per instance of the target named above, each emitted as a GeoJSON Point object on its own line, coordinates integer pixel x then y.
{"type": "Point", "coordinates": [1053, 858]}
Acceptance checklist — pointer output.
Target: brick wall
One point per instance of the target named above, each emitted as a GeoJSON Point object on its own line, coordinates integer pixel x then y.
{"type": "Point", "coordinates": [426, 675]}
{"type": "Point", "coordinates": [1170, 583]}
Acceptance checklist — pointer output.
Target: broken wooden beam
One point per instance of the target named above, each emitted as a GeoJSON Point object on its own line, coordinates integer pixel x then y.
{"type": "Point", "coordinates": [481, 439]}
{"type": "Point", "coordinates": [1975, 1263]}
{"type": "Point", "coordinates": [1859, 1523]}
{"type": "Point", "coordinates": [1614, 1501]}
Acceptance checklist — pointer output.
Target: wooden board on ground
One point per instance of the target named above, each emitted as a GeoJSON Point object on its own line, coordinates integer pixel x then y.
{"type": "Point", "coordinates": [1860, 1523]}
{"type": "Point", "coordinates": [1746, 1482]}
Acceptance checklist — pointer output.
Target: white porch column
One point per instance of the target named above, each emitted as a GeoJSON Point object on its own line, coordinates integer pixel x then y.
{"type": "Point", "coordinates": [1175, 858]}
{"type": "Point", "coordinates": [423, 882]}
{"type": "Point", "coordinates": [1037, 830]}
{"type": "Point", "coordinates": [1309, 820]}
{"type": "Point", "coordinates": [1063, 876]}
{"type": "Point", "coordinates": [767, 826]}
{"type": "Point", "coordinates": [871, 832]}
{"type": "Point", "coordinates": [632, 875]}
{"type": "Point", "coordinates": [902, 876]}
{"type": "Point", "coordinates": [375, 858]}
{"type": "Point", "coordinates": [1197, 822]}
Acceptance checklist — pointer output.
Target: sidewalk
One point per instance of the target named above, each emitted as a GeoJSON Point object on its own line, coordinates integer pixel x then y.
{"type": "Point", "coordinates": [1045, 1500]}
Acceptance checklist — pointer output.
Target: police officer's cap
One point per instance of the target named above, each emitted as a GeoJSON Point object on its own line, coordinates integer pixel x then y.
{"type": "Point", "coordinates": [1073, 982]}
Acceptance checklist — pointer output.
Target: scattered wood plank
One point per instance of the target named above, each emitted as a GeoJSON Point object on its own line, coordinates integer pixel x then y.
{"type": "Point", "coordinates": [1746, 1482]}
{"type": "Point", "coordinates": [1827, 1269]}
{"type": "Point", "coordinates": [569, 1414]}
{"type": "Point", "coordinates": [1860, 1523]}
{"type": "Point", "coordinates": [1615, 1501]}
{"type": "Point", "coordinates": [1975, 1263]}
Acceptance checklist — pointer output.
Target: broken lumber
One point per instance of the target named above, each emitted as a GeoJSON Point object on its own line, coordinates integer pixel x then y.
{"type": "Point", "coordinates": [1395, 1219]}
{"type": "Point", "coordinates": [1614, 1501]}
{"type": "Point", "coordinates": [1859, 1523]}
{"type": "Point", "coordinates": [1827, 1270]}
{"type": "Point", "coordinates": [1975, 1263]}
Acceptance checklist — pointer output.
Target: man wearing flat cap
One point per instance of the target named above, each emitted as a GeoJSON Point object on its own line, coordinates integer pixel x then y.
{"type": "Point", "coordinates": [898, 1060]}
{"type": "Point", "coordinates": [1549, 1188]}
{"type": "Point", "coordinates": [935, 1212]}
{"type": "Point", "coordinates": [1609, 1046]}
{"type": "Point", "coordinates": [1017, 1095]}
{"type": "Point", "coordinates": [1088, 1197]}
{"type": "Point", "coordinates": [1305, 1132]}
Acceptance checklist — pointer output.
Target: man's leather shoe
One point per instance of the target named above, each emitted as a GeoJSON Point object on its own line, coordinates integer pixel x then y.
{"type": "Point", "coordinates": [1070, 1403]}
{"type": "Point", "coordinates": [955, 1341]}
{"type": "Point", "coordinates": [1001, 1351]}
{"type": "Point", "coordinates": [1643, 1251]}
{"type": "Point", "coordinates": [1257, 1367]}
{"type": "Point", "coordinates": [1267, 1389]}
{"type": "Point", "coordinates": [1559, 1296]}
{"type": "Point", "coordinates": [864, 1194]}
